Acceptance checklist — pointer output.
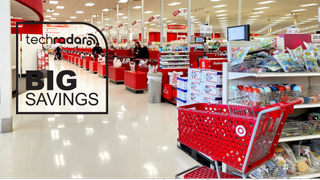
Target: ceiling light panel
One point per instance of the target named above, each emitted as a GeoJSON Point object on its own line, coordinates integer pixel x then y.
{"type": "Point", "coordinates": [136, 7]}
{"type": "Point", "coordinates": [260, 8]}
{"type": "Point", "coordinates": [79, 12]}
{"type": "Point", "coordinates": [298, 10]}
{"type": "Point", "coordinates": [148, 12]}
{"type": "Point", "coordinates": [174, 3]}
{"type": "Point", "coordinates": [73, 17]}
{"type": "Point", "coordinates": [53, 2]}
{"type": "Point", "coordinates": [307, 5]}
{"type": "Point", "coordinates": [222, 14]}
{"type": "Point", "coordinates": [266, 2]}
{"type": "Point", "coordinates": [219, 6]}
{"type": "Point", "coordinates": [89, 4]}
{"type": "Point", "coordinates": [56, 14]}
{"type": "Point", "coordinates": [220, 11]}
{"type": "Point", "coordinates": [60, 7]}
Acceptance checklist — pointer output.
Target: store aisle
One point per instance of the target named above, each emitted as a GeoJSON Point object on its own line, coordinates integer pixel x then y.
{"type": "Point", "coordinates": [136, 140]}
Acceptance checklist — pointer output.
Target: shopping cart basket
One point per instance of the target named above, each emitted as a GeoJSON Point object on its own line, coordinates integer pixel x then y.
{"type": "Point", "coordinates": [237, 134]}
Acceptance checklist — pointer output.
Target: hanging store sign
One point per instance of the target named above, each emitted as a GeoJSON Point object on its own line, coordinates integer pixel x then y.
{"type": "Point", "coordinates": [184, 12]}
{"type": "Point", "coordinates": [206, 29]}
{"type": "Point", "coordinates": [176, 12]}
{"type": "Point", "coordinates": [157, 18]}
{"type": "Point", "coordinates": [103, 29]}
{"type": "Point", "coordinates": [134, 23]}
{"type": "Point", "coordinates": [120, 25]}
{"type": "Point", "coordinates": [151, 18]}
{"type": "Point", "coordinates": [177, 26]}
{"type": "Point", "coordinates": [293, 31]}
{"type": "Point", "coordinates": [110, 27]}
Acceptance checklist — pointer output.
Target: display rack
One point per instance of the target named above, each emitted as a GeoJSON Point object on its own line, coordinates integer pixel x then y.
{"type": "Point", "coordinates": [236, 78]}
{"type": "Point", "coordinates": [175, 56]}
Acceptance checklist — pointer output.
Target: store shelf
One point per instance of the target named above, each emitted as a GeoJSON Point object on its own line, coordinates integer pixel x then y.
{"type": "Point", "coordinates": [303, 106]}
{"type": "Point", "coordinates": [176, 64]}
{"type": "Point", "coordinates": [239, 75]}
{"type": "Point", "coordinates": [176, 68]}
{"type": "Point", "coordinates": [175, 55]}
{"type": "Point", "coordinates": [174, 52]}
{"type": "Point", "coordinates": [174, 59]}
{"type": "Point", "coordinates": [299, 138]}
{"type": "Point", "coordinates": [305, 176]}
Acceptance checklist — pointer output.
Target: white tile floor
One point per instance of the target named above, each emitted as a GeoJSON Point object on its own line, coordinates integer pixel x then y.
{"type": "Point", "coordinates": [136, 140]}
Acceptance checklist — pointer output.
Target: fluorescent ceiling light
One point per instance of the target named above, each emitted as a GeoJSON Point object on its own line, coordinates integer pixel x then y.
{"type": "Point", "coordinates": [148, 12]}
{"type": "Point", "coordinates": [152, 24]}
{"type": "Point", "coordinates": [46, 20]}
{"type": "Point", "coordinates": [89, 4]}
{"type": "Point", "coordinates": [53, 18]}
{"type": "Point", "coordinates": [254, 16]}
{"type": "Point", "coordinates": [73, 17]}
{"type": "Point", "coordinates": [285, 17]}
{"type": "Point", "coordinates": [306, 5]}
{"type": "Point", "coordinates": [53, 2]}
{"type": "Point", "coordinates": [136, 7]}
{"type": "Point", "coordinates": [287, 14]}
{"type": "Point", "coordinates": [221, 14]}
{"type": "Point", "coordinates": [169, 21]}
{"type": "Point", "coordinates": [220, 11]}
{"type": "Point", "coordinates": [120, 14]}
{"type": "Point", "coordinates": [192, 16]}
{"type": "Point", "coordinates": [98, 22]}
{"type": "Point", "coordinates": [56, 14]}
{"type": "Point", "coordinates": [260, 8]}
{"type": "Point", "coordinates": [106, 19]}
{"type": "Point", "coordinates": [266, 2]}
{"type": "Point", "coordinates": [174, 3]}
{"type": "Point", "coordinates": [105, 10]}
{"type": "Point", "coordinates": [124, 17]}
{"type": "Point", "coordinates": [68, 21]}
{"type": "Point", "coordinates": [305, 21]}
{"type": "Point", "coordinates": [223, 18]}
{"type": "Point", "coordinates": [173, 23]}
{"type": "Point", "coordinates": [79, 12]}
{"type": "Point", "coordinates": [215, 0]}
{"type": "Point", "coordinates": [122, 1]}
{"type": "Point", "coordinates": [164, 18]}
{"type": "Point", "coordinates": [60, 7]}
{"type": "Point", "coordinates": [280, 20]}
{"type": "Point", "coordinates": [219, 6]}
{"type": "Point", "coordinates": [94, 15]}
{"type": "Point", "coordinates": [311, 19]}
{"type": "Point", "coordinates": [297, 10]}
{"type": "Point", "coordinates": [47, 16]}
{"type": "Point", "coordinates": [50, 10]}
{"type": "Point", "coordinates": [253, 19]}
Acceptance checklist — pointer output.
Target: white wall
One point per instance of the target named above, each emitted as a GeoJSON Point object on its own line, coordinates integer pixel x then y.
{"type": "Point", "coordinates": [29, 54]}
{"type": "Point", "coordinates": [13, 49]}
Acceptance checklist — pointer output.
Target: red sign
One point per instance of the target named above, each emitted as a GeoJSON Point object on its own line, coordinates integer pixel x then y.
{"type": "Point", "coordinates": [102, 29]}
{"type": "Point", "coordinates": [58, 25]}
{"type": "Point", "coordinates": [134, 23]}
{"type": "Point", "coordinates": [110, 27]}
{"type": "Point", "coordinates": [14, 22]}
{"type": "Point", "coordinates": [176, 26]}
{"type": "Point", "coordinates": [293, 41]}
{"type": "Point", "coordinates": [120, 25]}
{"type": "Point", "coordinates": [151, 18]}
{"type": "Point", "coordinates": [176, 12]}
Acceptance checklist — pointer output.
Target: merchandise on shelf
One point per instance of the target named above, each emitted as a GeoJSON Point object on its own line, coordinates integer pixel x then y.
{"type": "Point", "coordinates": [264, 58]}
{"type": "Point", "coordinates": [172, 57]}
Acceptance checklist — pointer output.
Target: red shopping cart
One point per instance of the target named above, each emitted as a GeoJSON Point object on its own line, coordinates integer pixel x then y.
{"type": "Point", "coordinates": [237, 134]}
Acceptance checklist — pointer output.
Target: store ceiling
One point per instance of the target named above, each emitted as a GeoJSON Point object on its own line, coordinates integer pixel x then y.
{"type": "Point", "coordinates": [278, 12]}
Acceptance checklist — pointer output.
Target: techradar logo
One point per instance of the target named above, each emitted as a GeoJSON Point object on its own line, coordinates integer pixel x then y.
{"type": "Point", "coordinates": [69, 40]}
{"type": "Point", "coordinates": [61, 90]}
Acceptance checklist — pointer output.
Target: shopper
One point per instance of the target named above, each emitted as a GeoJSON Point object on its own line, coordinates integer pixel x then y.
{"type": "Point", "coordinates": [137, 50]}
{"type": "Point", "coordinates": [97, 49]}
{"type": "Point", "coordinates": [58, 53]}
{"type": "Point", "coordinates": [111, 47]}
{"type": "Point", "coordinates": [144, 53]}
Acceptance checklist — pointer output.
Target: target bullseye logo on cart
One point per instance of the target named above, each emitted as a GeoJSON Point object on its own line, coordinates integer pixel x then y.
{"type": "Point", "coordinates": [241, 131]}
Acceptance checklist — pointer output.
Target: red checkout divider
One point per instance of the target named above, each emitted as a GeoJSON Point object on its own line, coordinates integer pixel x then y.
{"type": "Point", "coordinates": [135, 81]}
{"type": "Point", "coordinates": [101, 69]}
{"type": "Point", "coordinates": [81, 62]}
{"type": "Point", "coordinates": [116, 74]}
{"type": "Point", "coordinates": [86, 62]}
{"type": "Point", "coordinates": [76, 60]}
{"type": "Point", "coordinates": [93, 65]}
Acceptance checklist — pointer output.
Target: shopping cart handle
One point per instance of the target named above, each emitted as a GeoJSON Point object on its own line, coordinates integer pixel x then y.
{"type": "Point", "coordinates": [292, 103]}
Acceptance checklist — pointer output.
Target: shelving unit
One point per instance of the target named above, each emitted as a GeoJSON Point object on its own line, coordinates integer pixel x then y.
{"type": "Point", "coordinates": [305, 79]}
{"type": "Point", "coordinates": [174, 56]}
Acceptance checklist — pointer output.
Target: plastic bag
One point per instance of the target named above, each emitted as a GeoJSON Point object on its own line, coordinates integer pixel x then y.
{"type": "Point", "coordinates": [289, 152]}
{"type": "Point", "coordinates": [143, 64]}
{"type": "Point", "coordinates": [265, 42]}
{"type": "Point", "coordinates": [240, 55]}
{"type": "Point", "coordinates": [297, 56]}
{"type": "Point", "coordinates": [117, 63]}
{"type": "Point", "coordinates": [173, 76]}
{"type": "Point", "coordinates": [132, 66]}
{"type": "Point", "coordinates": [311, 62]}
{"type": "Point", "coordinates": [287, 64]}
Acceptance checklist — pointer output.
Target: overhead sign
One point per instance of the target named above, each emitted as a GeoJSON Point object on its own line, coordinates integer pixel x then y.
{"type": "Point", "coordinates": [157, 18]}
{"type": "Point", "coordinates": [176, 12]}
{"type": "Point", "coordinates": [58, 25]}
{"type": "Point", "coordinates": [103, 29]}
{"type": "Point", "coordinates": [110, 27]}
{"type": "Point", "coordinates": [134, 23]}
{"type": "Point", "coordinates": [206, 29]}
{"type": "Point", "coordinates": [293, 31]}
{"type": "Point", "coordinates": [151, 18]}
{"type": "Point", "coordinates": [120, 25]}
{"type": "Point", "coordinates": [177, 26]}
{"type": "Point", "coordinates": [315, 37]}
